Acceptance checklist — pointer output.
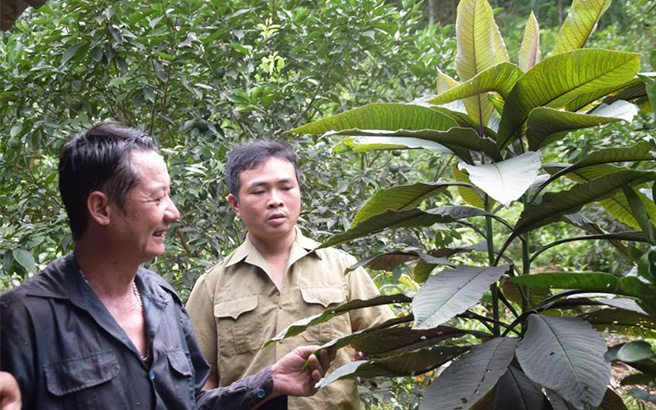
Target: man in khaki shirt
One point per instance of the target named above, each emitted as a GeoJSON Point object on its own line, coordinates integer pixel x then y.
{"type": "Point", "coordinates": [274, 279]}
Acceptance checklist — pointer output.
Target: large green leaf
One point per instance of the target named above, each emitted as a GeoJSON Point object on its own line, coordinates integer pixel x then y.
{"type": "Point", "coordinates": [553, 205]}
{"type": "Point", "coordinates": [300, 325]}
{"type": "Point", "coordinates": [381, 116]}
{"type": "Point", "coordinates": [451, 292]}
{"type": "Point", "coordinates": [404, 219]}
{"type": "Point", "coordinates": [456, 139]}
{"type": "Point", "coordinates": [399, 198]}
{"type": "Point", "coordinates": [558, 79]}
{"type": "Point", "coordinates": [579, 24]}
{"type": "Point", "coordinates": [380, 141]}
{"type": "Point", "coordinates": [507, 180]}
{"type": "Point", "coordinates": [470, 377]}
{"type": "Point", "coordinates": [547, 125]}
{"type": "Point", "coordinates": [425, 266]}
{"type": "Point", "coordinates": [590, 281]}
{"type": "Point", "coordinates": [516, 391]}
{"type": "Point", "coordinates": [479, 47]}
{"type": "Point", "coordinates": [529, 51]}
{"type": "Point", "coordinates": [632, 90]}
{"type": "Point", "coordinates": [500, 78]}
{"type": "Point", "coordinates": [470, 194]}
{"type": "Point", "coordinates": [566, 355]}
{"type": "Point", "coordinates": [391, 260]}
{"type": "Point", "coordinates": [622, 321]}
{"type": "Point", "coordinates": [407, 364]}
{"type": "Point", "coordinates": [640, 151]}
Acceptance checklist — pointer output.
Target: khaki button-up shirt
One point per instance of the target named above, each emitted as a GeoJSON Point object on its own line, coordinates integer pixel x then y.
{"type": "Point", "coordinates": [236, 307]}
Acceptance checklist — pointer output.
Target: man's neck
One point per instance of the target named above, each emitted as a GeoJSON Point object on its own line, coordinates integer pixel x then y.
{"type": "Point", "coordinates": [106, 275]}
{"type": "Point", "coordinates": [270, 248]}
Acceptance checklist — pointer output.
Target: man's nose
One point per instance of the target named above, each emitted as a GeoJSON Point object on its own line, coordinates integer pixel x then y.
{"type": "Point", "coordinates": [172, 213]}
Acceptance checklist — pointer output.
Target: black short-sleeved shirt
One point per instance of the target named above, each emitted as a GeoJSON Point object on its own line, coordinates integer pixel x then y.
{"type": "Point", "coordinates": [67, 352]}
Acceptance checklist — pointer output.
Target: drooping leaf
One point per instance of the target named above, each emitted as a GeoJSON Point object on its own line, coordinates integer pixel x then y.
{"type": "Point", "coordinates": [399, 198]}
{"type": "Point", "coordinates": [392, 260]}
{"type": "Point", "coordinates": [566, 355]}
{"type": "Point", "coordinates": [650, 88]}
{"type": "Point", "coordinates": [579, 24]}
{"type": "Point", "coordinates": [622, 321]}
{"type": "Point", "coordinates": [547, 125]}
{"type": "Point", "coordinates": [404, 219]}
{"type": "Point", "coordinates": [407, 364]}
{"type": "Point", "coordinates": [451, 292]}
{"type": "Point", "coordinates": [558, 79]}
{"type": "Point", "coordinates": [640, 151]}
{"type": "Point", "coordinates": [300, 325]}
{"type": "Point", "coordinates": [500, 78]}
{"type": "Point", "coordinates": [507, 180]}
{"type": "Point", "coordinates": [612, 401]}
{"type": "Point", "coordinates": [554, 205]}
{"type": "Point", "coordinates": [366, 142]}
{"type": "Point", "coordinates": [471, 376]}
{"type": "Point", "coordinates": [632, 91]}
{"type": "Point", "coordinates": [425, 266]}
{"type": "Point", "coordinates": [529, 51]}
{"type": "Point", "coordinates": [25, 259]}
{"type": "Point", "coordinates": [640, 214]}
{"type": "Point", "coordinates": [381, 116]}
{"type": "Point", "coordinates": [516, 391]}
{"type": "Point", "coordinates": [456, 139]}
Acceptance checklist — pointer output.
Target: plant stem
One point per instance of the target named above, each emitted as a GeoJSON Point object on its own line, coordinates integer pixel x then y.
{"type": "Point", "coordinates": [490, 252]}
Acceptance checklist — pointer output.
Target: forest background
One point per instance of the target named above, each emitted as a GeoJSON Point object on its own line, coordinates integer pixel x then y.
{"type": "Point", "coordinates": [201, 76]}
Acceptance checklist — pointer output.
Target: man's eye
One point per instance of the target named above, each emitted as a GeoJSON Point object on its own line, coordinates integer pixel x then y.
{"type": "Point", "coordinates": [258, 192]}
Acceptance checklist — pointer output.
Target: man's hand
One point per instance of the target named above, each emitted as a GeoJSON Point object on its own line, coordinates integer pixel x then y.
{"type": "Point", "coordinates": [10, 396]}
{"type": "Point", "coordinates": [287, 376]}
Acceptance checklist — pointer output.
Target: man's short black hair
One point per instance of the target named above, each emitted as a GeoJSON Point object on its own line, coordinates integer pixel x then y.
{"type": "Point", "coordinates": [252, 154]}
{"type": "Point", "coordinates": [99, 160]}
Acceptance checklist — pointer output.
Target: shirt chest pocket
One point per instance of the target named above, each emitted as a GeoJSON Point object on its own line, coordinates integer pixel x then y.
{"type": "Point", "coordinates": [239, 325]}
{"type": "Point", "coordinates": [77, 380]}
{"type": "Point", "coordinates": [318, 299]}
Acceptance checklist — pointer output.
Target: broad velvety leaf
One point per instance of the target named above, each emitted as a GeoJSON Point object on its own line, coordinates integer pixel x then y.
{"type": "Point", "coordinates": [555, 204]}
{"type": "Point", "coordinates": [451, 292]}
{"type": "Point", "coordinates": [424, 266]}
{"type": "Point", "coordinates": [407, 364]}
{"type": "Point", "coordinates": [566, 355]}
{"type": "Point", "coordinates": [381, 116]}
{"type": "Point", "coordinates": [479, 48]}
{"type": "Point", "coordinates": [516, 391]}
{"type": "Point", "coordinates": [622, 321]}
{"type": "Point", "coordinates": [635, 351]}
{"type": "Point", "coordinates": [391, 260]}
{"type": "Point", "coordinates": [639, 212]}
{"type": "Point", "coordinates": [445, 82]}
{"type": "Point", "coordinates": [399, 198]}
{"type": "Point", "coordinates": [529, 51]}
{"type": "Point", "coordinates": [500, 78]}
{"type": "Point", "coordinates": [632, 91]}
{"type": "Point", "coordinates": [558, 79]}
{"type": "Point", "coordinates": [404, 219]}
{"type": "Point", "coordinates": [471, 376]}
{"type": "Point", "coordinates": [579, 24]}
{"type": "Point", "coordinates": [547, 125]}
{"type": "Point", "coordinates": [300, 325]}
{"type": "Point", "coordinates": [507, 180]}
{"type": "Point", "coordinates": [612, 401]}
{"type": "Point", "coordinates": [456, 139]}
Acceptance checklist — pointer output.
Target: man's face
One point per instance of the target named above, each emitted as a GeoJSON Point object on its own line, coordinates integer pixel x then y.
{"type": "Point", "coordinates": [269, 200]}
{"type": "Point", "coordinates": [149, 210]}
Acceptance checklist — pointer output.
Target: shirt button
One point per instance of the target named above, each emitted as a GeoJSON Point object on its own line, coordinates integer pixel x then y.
{"type": "Point", "coordinates": [152, 375]}
{"type": "Point", "coordinates": [260, 393]}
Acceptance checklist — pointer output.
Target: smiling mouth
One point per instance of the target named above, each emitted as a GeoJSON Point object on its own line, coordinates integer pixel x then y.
{"type": "Point", "coordinates": [159, 233]}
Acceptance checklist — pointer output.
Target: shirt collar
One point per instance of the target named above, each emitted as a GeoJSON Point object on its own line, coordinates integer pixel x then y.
{"type": "Point", "coordinates": [301, 247]}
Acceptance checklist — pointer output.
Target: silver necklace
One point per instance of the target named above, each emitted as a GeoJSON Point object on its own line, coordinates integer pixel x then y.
{"type": "Point", "coordinates": [137, 294]}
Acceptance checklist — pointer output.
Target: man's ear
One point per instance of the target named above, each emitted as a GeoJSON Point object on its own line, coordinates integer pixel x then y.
{"type": "Point", "coordinates": [234, 203]}
{"type": "Point", "coordinates": [98, 207]}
